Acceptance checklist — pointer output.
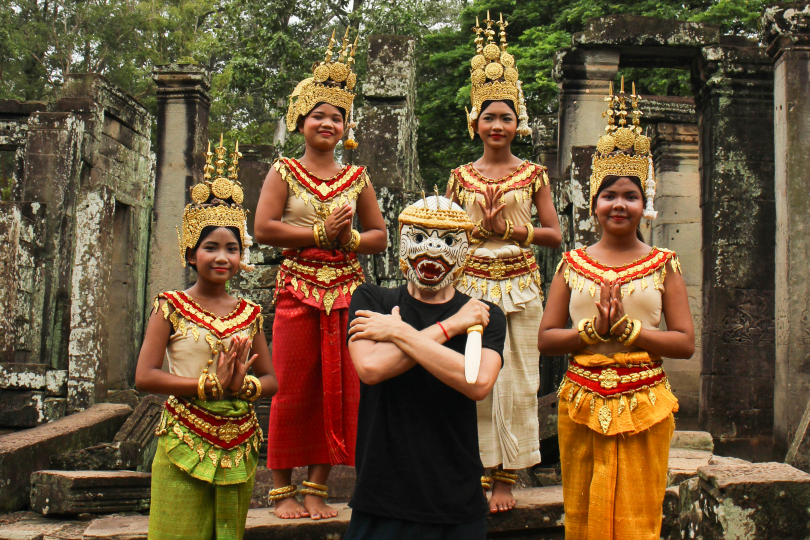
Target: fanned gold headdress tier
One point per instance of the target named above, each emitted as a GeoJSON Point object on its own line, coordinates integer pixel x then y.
{"type": "Point", "coordinates": [494, 75]}
{"type": "Point", "coordinates": [436, 212]}
{"type": "Point", "coordinates": [331, 82]}
{"type": "Point", "coordinates": [217, 202]}
{"type": "Point", "coordinates": [623, 150]}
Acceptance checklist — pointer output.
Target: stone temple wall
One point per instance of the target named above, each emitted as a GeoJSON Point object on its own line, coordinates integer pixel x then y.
{"type": "Point", "coordinates": [73, 242]}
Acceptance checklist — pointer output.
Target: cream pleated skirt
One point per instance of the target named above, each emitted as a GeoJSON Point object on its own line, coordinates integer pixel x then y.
{"type": "Point", "coordinates": [508, 427]}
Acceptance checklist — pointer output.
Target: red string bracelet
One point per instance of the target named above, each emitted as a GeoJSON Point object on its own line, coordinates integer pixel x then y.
{"type": "Point", "coordinates": [445, 331]}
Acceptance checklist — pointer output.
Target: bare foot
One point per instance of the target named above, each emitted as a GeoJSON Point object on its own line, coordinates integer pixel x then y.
{"type": "Point", "coordinates": [290, 509]}
{"type": "Point", "coordinates": [501, 499]}
{"type": "Point", "coordinates": [318, 509]}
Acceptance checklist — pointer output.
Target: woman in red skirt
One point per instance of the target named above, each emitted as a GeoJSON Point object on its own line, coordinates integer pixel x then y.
{"type": "Point", "coordinates": [307, 206]}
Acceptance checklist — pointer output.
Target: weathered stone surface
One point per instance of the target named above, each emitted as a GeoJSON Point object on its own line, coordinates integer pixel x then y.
{"type": "Point", "coordinates": [585, 231]}
{"type": "Point", "coordinates": [670, 525]}
{"type": "Point", "coordinates": [692, 440]}
{"type": "Point", "coordinates": [786, 30]}
{"type": "Point", "coordinates": [690, 518]}
{"type": "Point", "coordinates": [93, 492]}
{"type": "Point", "coordinates": [33, 526]}
{"type": "Point", "coordinates": [253, 168]}
{"type": "Point", "coordinates": [125, 397]}
{"type": "Point", "coordinates": [547, 413]}
{"type": "Point", "coordinates": [118, 528]}
{"type": "Point", "coordinates": [29, 409]}
{"type": "Point", "coordinates": [23, 452]}
{"type": "Point", "coordinates": [798, 455]}
{"type": "Point", "coordinates": [754, 501]}
{"type": "Point", "coordinates": [21, 272]}
{"type": "Point", "coordinates": [133, 447]}
{"type": "Point", "coordinates": [734, 90]}
{"type": "Point", "coordinates": [647, 32]}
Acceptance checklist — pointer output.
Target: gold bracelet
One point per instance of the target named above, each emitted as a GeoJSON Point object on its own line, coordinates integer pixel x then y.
{"type": "Point", "coordinates": [246, 392]}
{"type": "Point", "coordinates": [481, 230]}
{"type": "Point", "coordinates": [529, 235]}
{"type": "Point", "coordinates": [353, 243]}
{"type": "Point", "coordinates": [634, 334]}
{"type": "Point", "coordinates": [584, 334]}
{"type": "Point", "coordinates": [316, 233]}
{"type": "Point", "coordinates": [510, 227]}
{"type": "Point", "coordinates": [590, 327]}
{"type": "Point", "coordinates": [618, 323]}
{"type": "Point", "coordinates": [201, 386]}
{"type": "Point", "coordinates": [216, 387]}
{"type": "Point", "coordinates": [628, 328]}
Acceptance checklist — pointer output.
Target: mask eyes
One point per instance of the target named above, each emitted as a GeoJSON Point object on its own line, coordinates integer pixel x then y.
{"type": "Point", "coordinates": [419, 238]}
{"type": "Point", "coordinates": [448, 240]}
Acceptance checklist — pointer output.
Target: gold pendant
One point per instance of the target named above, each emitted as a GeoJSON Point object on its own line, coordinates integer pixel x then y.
{"type": "Point", "coordinates": [633, 402]}
{"type": "Point", "coordinates": [621, 406]}
{"type": "Point", "coordinates": [200, 451]}
{"type": "Point", "coordinates": [652, 397]}
{"type": "Point", "coordinates": [605, 417]}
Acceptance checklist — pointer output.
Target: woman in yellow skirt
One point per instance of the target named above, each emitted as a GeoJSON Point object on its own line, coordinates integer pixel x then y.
{"type": "Point", "coordinates": [616, 406]}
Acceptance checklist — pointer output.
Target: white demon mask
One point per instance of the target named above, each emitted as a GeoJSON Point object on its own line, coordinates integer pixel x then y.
{"type": "Point", "coordinates": [433, 242]}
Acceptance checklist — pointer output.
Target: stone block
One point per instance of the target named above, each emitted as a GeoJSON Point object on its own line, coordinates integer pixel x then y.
{"type": "Point", "coordinates": [133, 447]}
{"type": "Point", "coordinates": [391, 70]}
{"type": "Point", "coordinates": [798, 454]}
{"type": "Point", "coordinates": [547, 413]}
{"type": "Point", "coordinates": [754, 501]}
{"type": "Point", "coordinates": [22, 409]}
{"type": "Point", "coordinates": [738, 179]}
{"type": "Point", "coordinates": [33, 526]}
{"type": "Point", "coordinates": [670, 524]}
{"type": "Point", "coordinates": [24, 452]}
{"type": "Point", "coordinates": [263, 277]}
{"type": "Point", "coordinates": [89, 492]}
{"type": "Point", "coordinates": [33, 377]}
{"type": "Point", "coordinates": [692, 440]}
{"type": "Point", "coordinates": [690, 514]}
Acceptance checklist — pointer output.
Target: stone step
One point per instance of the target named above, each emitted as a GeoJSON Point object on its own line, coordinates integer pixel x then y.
{"type": "Point", "coordinates": [89, 492]}
{"type": "Point", "coordinates": [26, 451]}
{"type": "Point", "coordinates": [539, 510]}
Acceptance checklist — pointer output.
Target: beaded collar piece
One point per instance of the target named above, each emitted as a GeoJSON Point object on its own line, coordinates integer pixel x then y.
{"type": "Point", "coordinates": [242, 317]}
{"type": "Point", "coordinates": [580, 264]}
{"type": "Point", "coordinates": [342, 188]}
{"type": "Point", "coordinates": [466, 181]}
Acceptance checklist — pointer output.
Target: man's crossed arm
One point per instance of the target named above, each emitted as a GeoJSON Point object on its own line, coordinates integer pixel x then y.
{"type": "Point", "coordinates": [384, 346]}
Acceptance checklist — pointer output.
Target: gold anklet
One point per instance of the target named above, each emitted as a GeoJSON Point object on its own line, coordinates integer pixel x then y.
{"type": "Point", "coordinates": [282, 493]}
{"type": "Point", "coordinates": [486, 482]}
{"type": "Point", "coordinates": [311, 488]}
{"type": "Point", "coordinates": [505, 477]}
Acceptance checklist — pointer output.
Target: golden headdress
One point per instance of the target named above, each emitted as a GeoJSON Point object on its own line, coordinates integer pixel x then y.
{"type": "Point", "coordinates": [494, 76]}
{"type": "Point", "coordinates": [217, 202]}
{"type": "Point", "coordinates": [429, 213]}
{"type": "Point", "coordinates": [332, 83]}
{"type": "Point", "coordinates": [624, 151]}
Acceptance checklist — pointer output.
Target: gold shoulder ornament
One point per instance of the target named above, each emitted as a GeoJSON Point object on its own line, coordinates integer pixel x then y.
{"type": "Point", "coordinates": [331, 82]}
{"type": "Point", "coordinates": [216, 201]}
{"type": "Point", "coordinates": [494, 76]}
{"type": "Point", "coordinates": [623, 150]}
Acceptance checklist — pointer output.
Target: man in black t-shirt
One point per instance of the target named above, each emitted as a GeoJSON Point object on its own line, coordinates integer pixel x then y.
{"type": "Point", "coordinates": [418, 467]}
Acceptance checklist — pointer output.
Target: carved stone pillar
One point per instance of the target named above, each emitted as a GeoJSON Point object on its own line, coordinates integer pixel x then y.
{"type": "Point", "coordinates": [787, 33]}
{"type": "Point", "coordinates": [679, 228]}
{"type": "Point", "coordinates": [387, 142]}
{"type": "Point", "coordinates": [182, 137]}
{"type": "Point", "coordinates": [734, 99]}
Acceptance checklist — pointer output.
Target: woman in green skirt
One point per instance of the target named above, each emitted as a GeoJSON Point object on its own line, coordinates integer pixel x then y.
{"type": "Point", "coordinates": [205, 465]}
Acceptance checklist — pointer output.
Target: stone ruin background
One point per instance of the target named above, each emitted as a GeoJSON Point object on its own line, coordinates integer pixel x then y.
{"type": "Point", "coordinates": [88, 238]}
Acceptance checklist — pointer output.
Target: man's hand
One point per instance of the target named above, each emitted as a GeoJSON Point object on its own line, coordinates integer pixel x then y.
{"type": "Point", "coordinates": [376, 326]}
{"type": "Point", "coordinates": [474, 312]}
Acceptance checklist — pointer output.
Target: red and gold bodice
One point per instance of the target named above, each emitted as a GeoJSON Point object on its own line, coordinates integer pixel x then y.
{"type": "Point", "coordinates": [324, 279]}
{"type": "Point", "coordinates": [199, 334]}
{"type": "Point", "coordinates": [610, 387]}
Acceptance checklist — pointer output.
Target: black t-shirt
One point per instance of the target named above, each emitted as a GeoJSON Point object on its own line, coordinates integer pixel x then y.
{"type": "Point", "coordinates": [417, 438]}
